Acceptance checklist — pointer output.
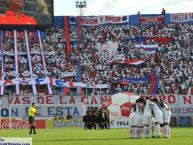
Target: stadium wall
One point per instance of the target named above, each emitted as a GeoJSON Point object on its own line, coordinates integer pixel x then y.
{"type": "Point", "coordinates": [181, 106]}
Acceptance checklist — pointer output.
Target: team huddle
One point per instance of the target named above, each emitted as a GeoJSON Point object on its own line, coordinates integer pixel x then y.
{"type": "Point", "coordinates": [146, 114]}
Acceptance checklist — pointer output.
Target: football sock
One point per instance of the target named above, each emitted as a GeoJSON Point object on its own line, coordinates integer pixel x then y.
{"type": "Point", "coordinates": [31, 129]}
{"type": "Point", "coordinates": [165, 131]}
{"type": "Point", "coordinates": [34, 129]}
{"type": "Point", "coordinates": [133, 132]}
{"type": "Point", "coordinates": [153, 130]}
{"type": "Point", "coordinates": [168, 131]}
{"type": "Point", "coordinates": [136, 132]}
{"type": "Point", "coordinates": [158, 129]}
{"type": "Point", "coordinates": [141, 131]}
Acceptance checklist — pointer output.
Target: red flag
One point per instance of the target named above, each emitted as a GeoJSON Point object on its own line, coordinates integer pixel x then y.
{"type": "Point", "coordinates": [67, 35]}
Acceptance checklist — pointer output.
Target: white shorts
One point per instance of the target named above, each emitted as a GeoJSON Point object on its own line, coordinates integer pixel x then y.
{"type": "Point", "coordinates": [147, 119]}
{"type": "Point", "coordinates": [152, 122]}
{"type": "Point", "coordinates": [166, 117]}
{"type": "Point", "coordinates": [159, 117]}
{"type": "Point", "coordinates": [138, 119]}
{"type": "Point", "coordinates": [131, 119]}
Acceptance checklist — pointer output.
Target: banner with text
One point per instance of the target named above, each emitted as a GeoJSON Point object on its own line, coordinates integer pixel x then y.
{"type": "Point", "coordinates": [76, 105]}
{"type": "Point", "coordinates": [94, 21]}
{"type": "Point", "coordinates": [182, 17]}
{"type": "Point", "coordinates": [149, 19]}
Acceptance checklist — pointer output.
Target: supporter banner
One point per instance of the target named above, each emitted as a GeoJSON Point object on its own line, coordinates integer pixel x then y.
{"type": "Point", "coordinates": [91, 21]}
{"type": "Point", "coordinates": [115, 19]}
{"type": "Point", "coordinates": [147, 47]}
{"type": "Point", "coordinates": [148, 19]}
{"type": "Point", "coordinates": [132, 80]}
{"type": "Point", "coordinates": [49, 106]}
{"type": "Point", "coordinates": [21, 124]}
{"type": "Point", "coordinates": [182, 17]}
{"type": "Point", "coordinates": [42, 81]}
{"type": "Point", "coordinates": [19, 35]}
{"type": "Point", "coordinates": [179, 104]}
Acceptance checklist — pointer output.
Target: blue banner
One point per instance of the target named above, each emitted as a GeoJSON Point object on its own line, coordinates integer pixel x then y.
{"type": "Point", "coordinates": [133, 80]}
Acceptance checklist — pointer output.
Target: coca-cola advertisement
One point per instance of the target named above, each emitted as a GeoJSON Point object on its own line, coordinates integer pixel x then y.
{"type": "Point", "coordinates": [21, 124]}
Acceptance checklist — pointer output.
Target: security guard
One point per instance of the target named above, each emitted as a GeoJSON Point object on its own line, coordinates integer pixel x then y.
{"type": "Point", "coordinates": [31, 113]}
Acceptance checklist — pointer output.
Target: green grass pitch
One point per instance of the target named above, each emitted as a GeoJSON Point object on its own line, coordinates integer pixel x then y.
{"type": "Point", "coordinates": [75, 136]}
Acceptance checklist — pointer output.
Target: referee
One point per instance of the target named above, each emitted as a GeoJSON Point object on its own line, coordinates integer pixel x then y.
{"type": "Point", "coordinates": [31, 112]}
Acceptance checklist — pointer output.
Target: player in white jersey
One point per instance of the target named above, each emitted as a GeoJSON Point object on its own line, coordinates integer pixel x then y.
{"type": "Point", "coordinates": [147, 117]}
{"type": "Point", "coordinates": [158, 117]}
{"type": "Point", "coordinates": [166, 118]}
{"type": "Point", "coordinates": [153, 126]}
{"type": "Point", "coordinates": [132, 121]}
{"type": "Point", "coordinates": [139, 118]}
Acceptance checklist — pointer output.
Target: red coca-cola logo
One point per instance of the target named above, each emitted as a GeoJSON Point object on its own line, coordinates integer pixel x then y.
{"type": "Point", "coordinates": [16, 124]}
{"type": "Point", "coordinates": [21, 124]}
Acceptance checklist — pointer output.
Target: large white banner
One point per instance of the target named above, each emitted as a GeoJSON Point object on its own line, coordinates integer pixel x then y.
{"type": "Point", "coordinates": [179, 104]}
{"type": "Point", "coordinates": [49, 106]}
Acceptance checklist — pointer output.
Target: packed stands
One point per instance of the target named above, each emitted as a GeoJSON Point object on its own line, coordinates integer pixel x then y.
{"type": "Point", "coordinates": [117, 55]}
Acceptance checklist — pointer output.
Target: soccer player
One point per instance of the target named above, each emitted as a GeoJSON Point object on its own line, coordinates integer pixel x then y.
{"type": "Point", "coordinates": [147, 117]}
{"type": "Point", "coordinates": [153, 126]}
{"type": "Point", "coordinates": [14, 15]}
{"type": "Point", "coordinates": [139, 118]}
{"type": "Point", "coordinates": [31, 113]}
{"type": "Point", "coordinates": [132, 121]}
{"type": "Point", "coordinates": [158, 117]}
{"type": "Point", "coordinates": [166, 118]}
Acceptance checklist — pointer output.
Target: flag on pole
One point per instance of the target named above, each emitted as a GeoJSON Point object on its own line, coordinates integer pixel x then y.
{"type": "Point", "coordinates": [43, 60]}
{"type": "Point", "coordinates": [68, 49]}
{"type": "Point", "coordinates": [154, 82]}
{"type": "Point", "coordinates": [79, 29]}
{"type": "Point", "coordinates": [2, 63]}
{"type": "Point", "coordinates": [16, 60]}
{"type": "Point", "coordinates": [79, 89]}
{"type": "Point", "coordinates": [29, 58]}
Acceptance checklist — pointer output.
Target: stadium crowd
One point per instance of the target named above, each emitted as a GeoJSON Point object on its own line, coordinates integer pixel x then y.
{"type": "Point", "coordinates": [103, 51]}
